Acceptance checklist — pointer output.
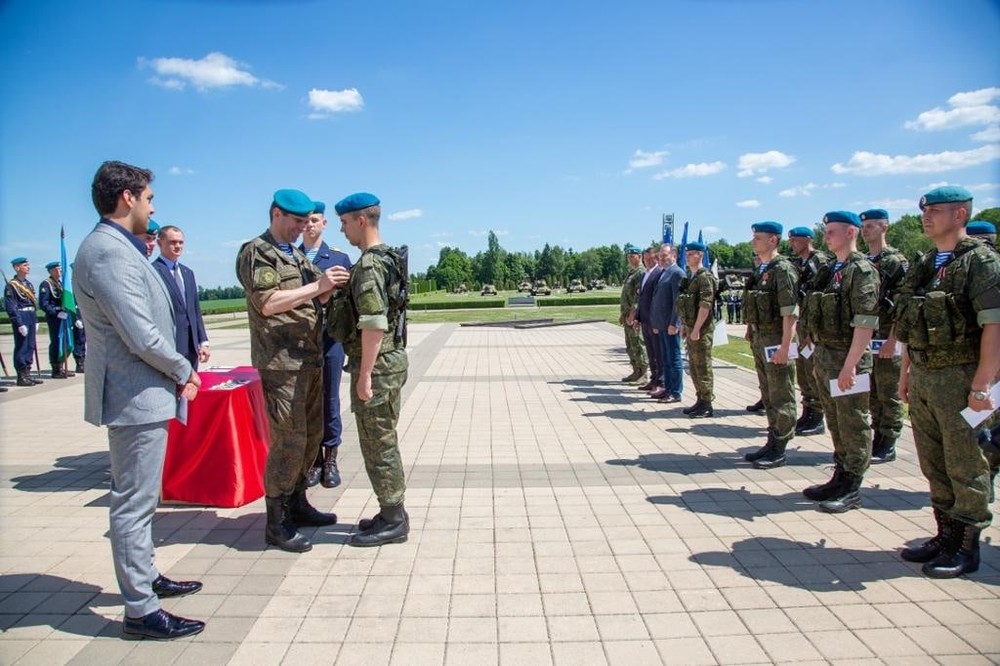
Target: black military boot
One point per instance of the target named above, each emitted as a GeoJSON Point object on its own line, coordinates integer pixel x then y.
{"type": "Point", "coordinates": [762, 451]}
{"type": "Point", "coordinates": [812, 423]}
{"type": "Point", "coordinates": [757, 407]}
{"type": "Point", "coordinates": [33, 380]}
{"type": "Point", "coordinates": [304, 514]}
{"type": "Point", "coordinates": [23, 379]}
{"type": "Point", "coordinates": [651, 384]}
{"type": "Point", "coordinates": [280, 530]}
{"type": "Point", "coordinates": [316, 471]}
{"type": "Point", "coordinates": [698, 404]}
{"type": "Point", "coordinates": [883, 449]}
{"type": "Point", "coordinates": [825, 491]}
{"type": "Point", "coordinates": [331, 473]}
{"type": "Point", "coordinates": [959, 556]}
{"type": "Point", "coordinates": [79, 365]}
{"type": "Point", "coordinates": [366, 523]}
{"type": "Point", "coordinates": [636, 374]}
{"type": "Point", "coordinates": [846, 496]}
{"type": "Point", "coordinates": [931, 548]}
{"type": "Point", "coordinates": [802, 418]}
{"type": "Point", "coordinates": [703, 412]}
{"type": "Point", "coordinates": [390, 525]}
{"type": "Point", "coordinates": [773, 458]}
{"type": "Point", "coordinates": [59, 371]}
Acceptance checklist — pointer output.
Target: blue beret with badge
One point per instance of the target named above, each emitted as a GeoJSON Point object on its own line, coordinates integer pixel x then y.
{"type": "Point", "coordinates": [17, 261]}
{"type": "Point", "coordinates": [694, 246]}
{"type": "Point", "coordinates": [319, 207]}
{"type": "Point", "coordinates": [52, 264]}
{"type": "Point", "coordinates": [768, 227]}
{"type": "Point", "coordinates": [152, 227]}
{"type": "Point", "coordinates": [632, 249]}
{"type": "Point", "coordinates": [980, 227]}
{"type": "Point", "coordinates": [356, 201]}
{"type": "Point", "coordinates": [801, 232]}
{"type": "Point", "coordinates": [946, 194]}
{"type": "Point", "coordinates": [875, 214]}
{"type": "Point", "coordinates": [293, 202]}
{"type": "Point", "coordinates": [842, 216]}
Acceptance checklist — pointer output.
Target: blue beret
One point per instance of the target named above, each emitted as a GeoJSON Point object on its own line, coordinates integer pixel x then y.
{"type": "Point", "coordinates": [768, 227]}
{"type": "Point", "coordinates": [18, 260]}
{"type": "Point", "coordinates": [53, 264]}
{"type": "Point", "coordinates": [357, 201]}
{"type": "Point", "coordinates": [632, 249]}
{"type": "Point", "coordinates": [319, 207]}
{"type": "Point", "coordinates": [946, 194]}
{"type": "Point", "coordinates": [293, 202]}
{"type": "Point", "coordinates": [875, 214]}
{"type": "Point", "coordinates": [980, 227]}
{"type": "Point", "coordinates": [801, 232]}
{"type": "Point", "coordinates": [152, 227]}
{"type": "Point", "coordinates": [694, 246]}
{"type": "Point", "coordinates": [844, 217]}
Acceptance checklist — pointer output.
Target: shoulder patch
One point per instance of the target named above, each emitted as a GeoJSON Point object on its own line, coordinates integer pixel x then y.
{"type": "Point", "coordinates": [265, 278]}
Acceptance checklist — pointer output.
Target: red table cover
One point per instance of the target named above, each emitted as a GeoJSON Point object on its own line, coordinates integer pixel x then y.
{"type": "Point", "coordinates": [218, 458]}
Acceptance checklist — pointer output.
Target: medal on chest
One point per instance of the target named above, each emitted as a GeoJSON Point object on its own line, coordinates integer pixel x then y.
{"type": "Point", "coordinates": [939, 277]}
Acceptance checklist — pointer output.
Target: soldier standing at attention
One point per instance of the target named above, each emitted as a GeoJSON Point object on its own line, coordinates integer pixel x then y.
{"type": "Point", "coordinates": [50, 301]}
{"type": "Point", "coordinates": [770, 309]}
{"type": "Point", "coordinates": [324, 469]}
{"type": "Point", "coordinates": [843, 315]}
{"type": "Point", "coordinates": [809, 261]}
{"type": "Point", "coordinates": [887, 408]}
{"type": "Point", "coordinates": [284, 290]}
{"type": "Point", "coordinates": [377, 361]}
{"type": "Point", "coordinates": [19, 301]}
{"type": "Point", "coordinates": [630, 296]}
{"type": "Point", "coordinates": [948, 317]}
{"type": "Point", "coordinates": [695, 304]}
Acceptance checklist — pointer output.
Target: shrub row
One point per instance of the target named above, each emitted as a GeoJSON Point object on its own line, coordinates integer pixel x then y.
{"type": "Point", "coordinates": [458, 305]}
{"type": "Point", "coordinates": [570, 300]}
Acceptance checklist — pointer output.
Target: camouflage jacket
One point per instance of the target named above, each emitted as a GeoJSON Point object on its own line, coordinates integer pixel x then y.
{"type": "Point", "coordinates": [843, 299]}
{"type": "Point", "coordinates": [892, 266]}
{"type": "Point", "coordinates": [630, 289]}
{"type": "Point", "coordinates": [697, 292]}
{"type": "Point", "coordinates": [771, 295]}
{"type": "Point", "coordinates": [373, 292]}
{"type": "Point", "coordinates": [290, 340]}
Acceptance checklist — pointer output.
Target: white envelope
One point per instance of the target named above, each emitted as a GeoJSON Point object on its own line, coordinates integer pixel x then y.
{"type": "Point", "coordinates": [793, 351]}
{"type": "Point", "coordinates": [877, 346]}
{"type": "Point", "coordinates": [807, 351]}
{"type": "Point", "coordinates": [975, 418]}
{"type": "Point", "coordinates": [862, 384]}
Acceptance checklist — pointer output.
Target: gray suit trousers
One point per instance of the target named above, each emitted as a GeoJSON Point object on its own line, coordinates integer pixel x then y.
{"type": "Point", "coordinates": [137, 453]}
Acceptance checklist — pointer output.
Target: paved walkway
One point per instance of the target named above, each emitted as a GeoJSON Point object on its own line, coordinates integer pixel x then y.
{"type": "Point", "coordinates": [558, 518]}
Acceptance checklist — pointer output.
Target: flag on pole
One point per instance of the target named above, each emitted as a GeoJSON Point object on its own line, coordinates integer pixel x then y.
{"type": "Point", "coordinates": [704, 256]}
{"type": "Point", "coordinates": [68, 301]}
{"type": "Point", "coordinates": [681, 250]}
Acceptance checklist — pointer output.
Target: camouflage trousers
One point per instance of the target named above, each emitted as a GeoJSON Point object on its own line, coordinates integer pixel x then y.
{"type": "Point", "coordinates": [847, 416]}
{"type": "Point", "coordinates": [950, 459]}
{"type": "Point", "coordinates": [636, 349]}
{"type": "Point", "coordinates": [777, 387]}
{"type": "Point", "coordinates": [376, 420]}
{"type": "Point", "coordinates": [887, 408]}
{"type": "Point", "coordinates": [294, 401]}
{"type": "Point", "coordinates": [700, 365]}
{"type": "Point", "coordinates": [805, 373]}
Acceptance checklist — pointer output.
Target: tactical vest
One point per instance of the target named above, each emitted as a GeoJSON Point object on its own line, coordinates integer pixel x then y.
{"type": "Point", "coordinates": [689, 297]}
{"type": "Point", "coordinates": [934, 315]}
{"type": "Point", "coordinates": [760, 299]}
{"type": "Point", "coordinates": [828, 309]}
{"type": "Point", "coordinates": [342, 312]}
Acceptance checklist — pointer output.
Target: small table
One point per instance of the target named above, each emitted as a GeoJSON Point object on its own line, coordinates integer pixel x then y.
{"type": "Point", "coordinates": [218, 458]}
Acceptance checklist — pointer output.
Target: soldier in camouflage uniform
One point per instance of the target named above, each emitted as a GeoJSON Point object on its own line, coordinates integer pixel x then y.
{"type": "Point", "coordinates": [634, 345]}
{"type": "Point", "coordinates": [377, 361]}
{"type": "Point", "coordinates": [809, 261]}
{"type": "Point", "coordinates": [887, 408]}
{"type": "Point", "coordinates": [948, 318]}
{"type": "Point", "coordinates": [770, 308]}
{"type": "Point", "coordinates": [695, 304]}
{"type": "Point", "coordinates": [842, 316]}
{"type": "Point", "coordinates": [283, 289]}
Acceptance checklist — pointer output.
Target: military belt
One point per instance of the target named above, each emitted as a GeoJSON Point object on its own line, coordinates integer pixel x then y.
{"type": "Point", "coordinates": [942, 358]}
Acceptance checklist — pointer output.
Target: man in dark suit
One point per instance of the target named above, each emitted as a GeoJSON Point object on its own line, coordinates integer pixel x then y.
{"type": "Point", "coordinates": [192, 340]}
{"type": "Point", "coordinates": [644, 315]}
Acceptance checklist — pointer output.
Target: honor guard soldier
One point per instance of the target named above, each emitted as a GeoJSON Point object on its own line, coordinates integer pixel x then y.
{"type": "Point", "coordinates": [20, 303]}
{"type": "Point", "coordinates": [886, 407]}
{"type": "Point", "coordinates": [634, 345]}
{"type": "Point", "coordinates": [842, 315]}
{"type": "Point", "coordinates": [809, 261]}
{"type": "Point", "coordinates": [695, 304]}
{"type": "Point", "coordinates": [770, 309]}
{"type": "Point", "coordinates": [56, 317]}
{"type": "Point", "coordinates": [984, 231]}
{"type": "Point", "coordinates": [284, 291]}
{"type": "Point", "coordinates": [948, 318]}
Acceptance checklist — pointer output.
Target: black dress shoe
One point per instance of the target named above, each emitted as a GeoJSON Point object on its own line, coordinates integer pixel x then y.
{"type": "Point", "coordinates": [165, 588]}
{"type": "Point", "coordinates": [160, 626]}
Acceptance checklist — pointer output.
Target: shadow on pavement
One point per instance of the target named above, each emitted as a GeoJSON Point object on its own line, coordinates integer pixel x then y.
{"type": "Point", "coordinates": [698, 463]}
{"type": "Point", "coordinates": [45, 600]}
{"type": "Point", "coordinates": [243, 533]}
{"type": "Point", "coordinates": [72, 473]}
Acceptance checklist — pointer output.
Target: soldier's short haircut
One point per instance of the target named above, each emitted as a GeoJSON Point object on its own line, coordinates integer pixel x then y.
{"type": "Point", "coordinates": [168, 227]}
{"type": "Point", "coordinates": [373, 214]}
{"type": "Point", "coordinates": [967, 205]}
{"type": "Point", "coordinates": [113, 178]}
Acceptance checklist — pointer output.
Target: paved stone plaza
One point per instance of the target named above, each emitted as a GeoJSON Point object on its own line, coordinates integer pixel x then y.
{"type": "Point", "coordinates": [558, 517]}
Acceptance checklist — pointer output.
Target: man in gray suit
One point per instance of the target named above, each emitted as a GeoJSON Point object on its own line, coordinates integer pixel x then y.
{"type": "Point", "coordinates": [134, 376]}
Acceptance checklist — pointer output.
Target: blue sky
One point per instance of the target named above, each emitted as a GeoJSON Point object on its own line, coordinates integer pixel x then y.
{"type": "Point", "coordinates": [572, 123]}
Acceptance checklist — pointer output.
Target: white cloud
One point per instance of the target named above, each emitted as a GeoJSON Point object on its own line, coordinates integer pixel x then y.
{"type": "Point", "coordinates": [406, 214]}
{"type": "Point", "coordinates": [179, 171]}
{"type": "Point", "coordinates": [643, 160]}
{"type": "Point", "coordinates": [989, 135]}
{"type": "Point", "coordinates": [748, 203]}
{"type": "Point", "coordinates": [836, 186]}
{"type": "Point", "coordinates": [441, 234]}
{"type": "Point", "coordinates": [896, 204]}
{"type": "Point", "coordinates": [864, 163]}
{"type": "Point", "coordinates": [974, 98]}
{"type": "Point", "coordinates": [692, 170]}
{"type": "Point", "coordinates": [766, 180]}
{"type": "Point", "coordinates": [983, 187]}
{"type": "Point", "coordinates": [753, 163]}
{"type": "Point", "coordinates": [325, 103]}
{"type": "Point", "coordinates": [800, 190]}
{"type": "Point", "coordinates": [216, 70]}
{"type": "Point", "coordinates": [968, 108]}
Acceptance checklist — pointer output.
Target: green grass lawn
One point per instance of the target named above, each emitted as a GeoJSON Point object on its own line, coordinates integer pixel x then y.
{"type": "Point", "coordinates": [736, 352]}
{"type": "Point", "coordinates": [608, 313]}
{"type": "Point", "coordinates": [441, 296]}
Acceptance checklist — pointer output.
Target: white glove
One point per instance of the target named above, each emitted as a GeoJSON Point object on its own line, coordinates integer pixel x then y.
{"type": "Point", "coordinates": [79, 324]}
{"type": "Point", "coordinates": [62, 315]}
{"type": "Point", "coordinates": [23, 330]}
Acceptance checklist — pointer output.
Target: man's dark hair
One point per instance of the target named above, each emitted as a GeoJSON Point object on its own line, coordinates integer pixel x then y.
{"type": "Point", "coordinates": [168, 227]}
{"type": "Point", "coordinates": [113, 178]}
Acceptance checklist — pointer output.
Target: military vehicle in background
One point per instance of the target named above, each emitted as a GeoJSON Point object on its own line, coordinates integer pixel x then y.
{"type": "Point", "coordinates": [461, 289]}
{"type": "Point", "coordinates": [733, 279]}
{"type": "Point", "coordinates": [597, 284]}
{"type": "Point", "coordinates": [540, 288]}
{"type": "Point", "coordinates": [523, 286]}
{"type": "Point", "coordinates": [488, 290]}
{"type": "Point", "coordinates": [575, 286]}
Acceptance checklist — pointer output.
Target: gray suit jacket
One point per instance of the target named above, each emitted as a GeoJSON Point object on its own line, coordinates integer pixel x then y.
{"type": "Point", "coordinates": [665, 292]}
{"type": "Point", "coordinates": [133, 367]}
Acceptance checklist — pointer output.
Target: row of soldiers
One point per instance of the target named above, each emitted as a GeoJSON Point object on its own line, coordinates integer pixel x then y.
{"type": "Point", "coordinates": [22, 307]}
{"type": "Point", "coordinates": [864, 334]}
